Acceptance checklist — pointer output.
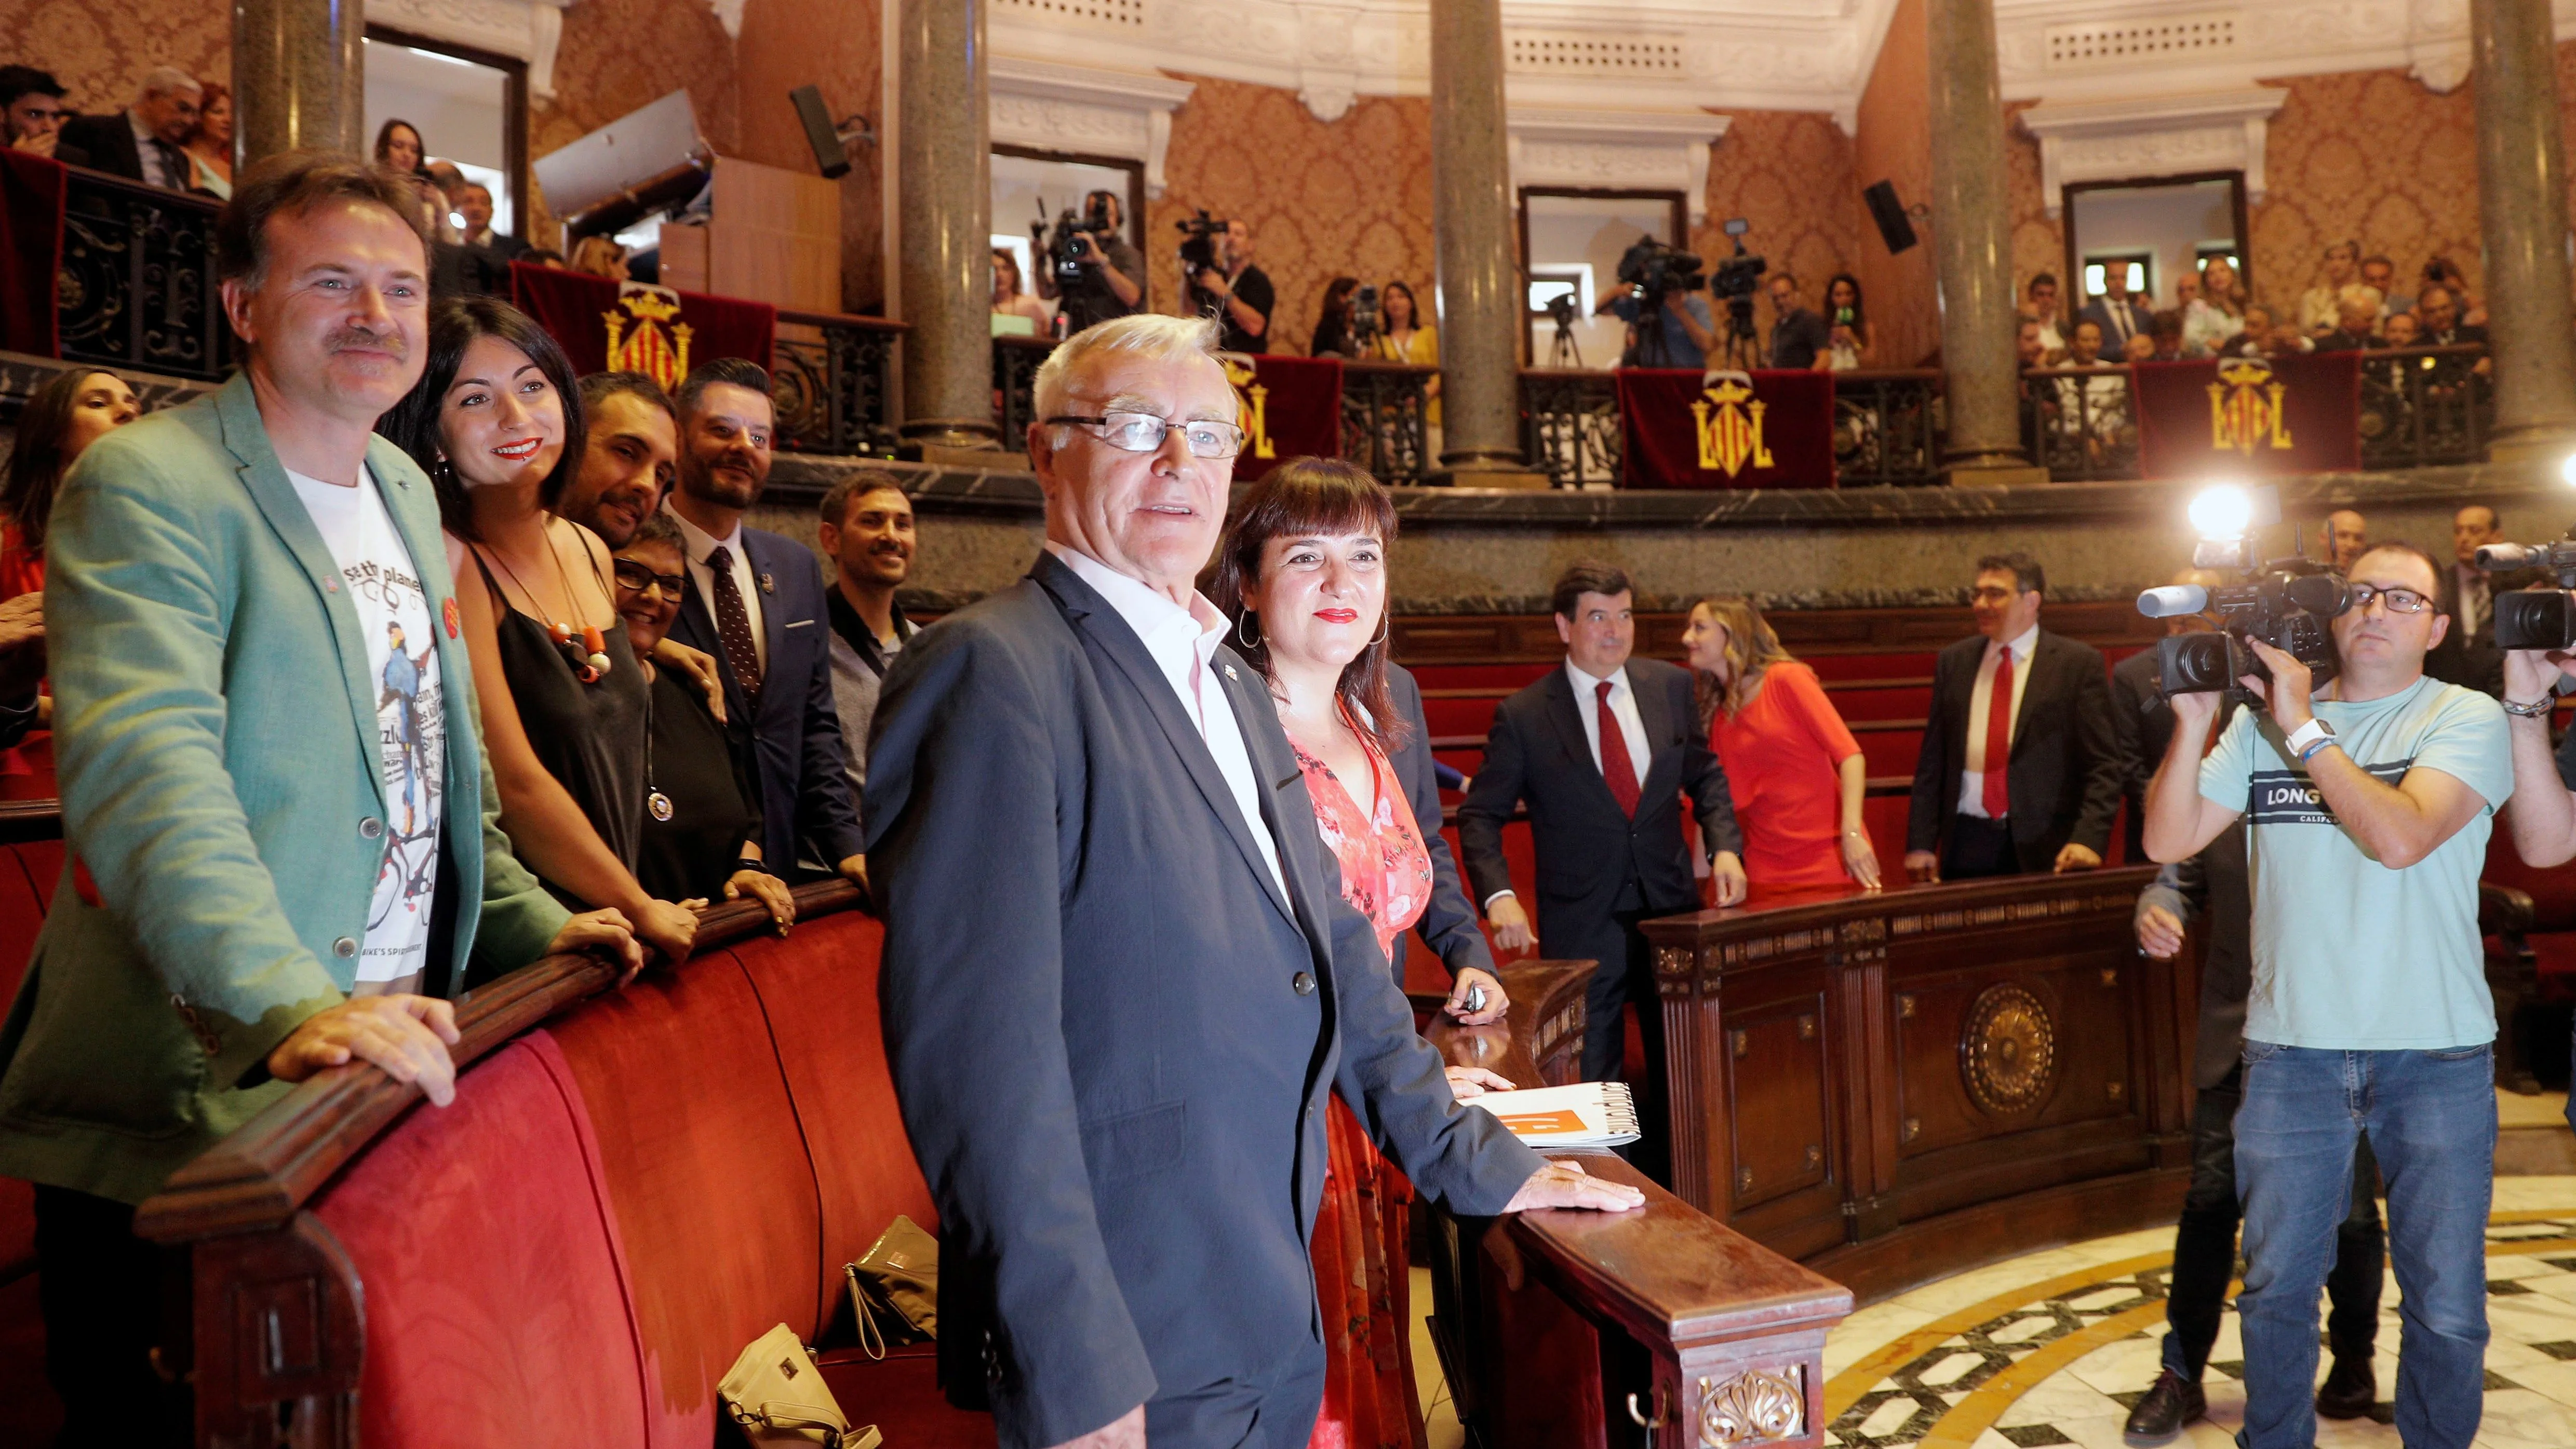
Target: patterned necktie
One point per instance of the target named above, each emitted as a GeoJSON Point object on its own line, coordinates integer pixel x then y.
{"type": "Point", "coordinates": [733, 625]}
{"type": "Point", "coordinates": [1998, 797]}
{"type": "Point", "coordinates": [176, 173]}
{"type": "Point", "coordinates": [1616, 768]}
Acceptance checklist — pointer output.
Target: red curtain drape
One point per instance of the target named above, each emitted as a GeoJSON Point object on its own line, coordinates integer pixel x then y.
{"type": "Point", "coordinates": [2238, 416]}
{"type": "Point", "coordinates": [1764, 429]}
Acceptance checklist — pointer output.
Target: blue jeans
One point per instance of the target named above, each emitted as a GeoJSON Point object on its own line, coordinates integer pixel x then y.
{"type": "Point", "coordinates": [2431, 1120]}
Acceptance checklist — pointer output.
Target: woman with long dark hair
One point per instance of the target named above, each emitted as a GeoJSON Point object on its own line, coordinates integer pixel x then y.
{"type": "Point", "coordinates": [1792, 767]}
{"type": "Point", "coordinates": [1333, 320]}
{"type": "Point", "coordinates": [1304, 576]}
{"type": "Point", "coordinates": [496, 423]}
{"type": "Point", "coordinates": [1848, 348]}
{"type": "Point", "coordinates": [75, 408]}
{"type": "Point", "coordinates": [399, 148]}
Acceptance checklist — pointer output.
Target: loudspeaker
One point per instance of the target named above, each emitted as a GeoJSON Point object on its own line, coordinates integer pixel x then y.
{"type": "Point", "coordinates": [830, 156]}
{"type": "Point", "coordinates": [1894, 227]}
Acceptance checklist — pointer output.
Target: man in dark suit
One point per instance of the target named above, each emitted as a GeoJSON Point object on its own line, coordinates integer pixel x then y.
{"type": "Point", "coordinates": [1448, 924]}
{"type": "Point", "coordinates": [1601, 751]}
{"type": "Point", "coordinates": [2119, 315]}
{"type": "Point", "coordinates": [2041, 702]}
{"type": "Point", "coordinates": [2143, 722]}
{"type": "Point", "coordinates": [142, 143]}
{"type": "Point", "coordinates": [2467, 654]}
{"type": "Point", "coordinates": [1119, 976]}
{"type": "Point", "coordinates": [756, 603]}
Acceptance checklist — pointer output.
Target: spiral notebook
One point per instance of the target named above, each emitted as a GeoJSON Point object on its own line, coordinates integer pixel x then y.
{"type": "Point", "coordinates": [1586, 1114]}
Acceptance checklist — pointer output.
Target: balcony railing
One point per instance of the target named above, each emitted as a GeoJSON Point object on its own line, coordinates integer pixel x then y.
{"type": "Point", "coordinates": [136, 288]}
{"type": "Point", "coordinates": [1383, 407]}
{"type": "Point", "coordinates": [1885, 427]}
{"type": "Point", "coordinates": [828, 379]}
{"type": "Point", "coordinates": [1570, 425]}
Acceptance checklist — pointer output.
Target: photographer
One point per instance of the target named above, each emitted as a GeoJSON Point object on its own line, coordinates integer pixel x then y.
{"type": "Point", "coordinates": [1113, 272]}
{"type": "Point", "coordinates": [1798, 335]}
{"type": "Point", "coordinates": [1676, 330]}
{"type": "Point", "coordinates": [1239, 297]}
{"type": "Point", "coordinates": [2368, 807]}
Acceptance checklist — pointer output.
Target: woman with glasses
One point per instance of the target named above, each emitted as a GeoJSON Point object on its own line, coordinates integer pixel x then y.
{"type": "Point", "coordinates": [701, 836]}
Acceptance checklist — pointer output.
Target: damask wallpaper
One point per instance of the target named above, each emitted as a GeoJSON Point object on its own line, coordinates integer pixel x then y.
{"type": "Point", "coordinates": [1895, 145]}
{"type": "Point", "coordinates": [99, 53]}
{"type": "Point", "coordinates": [789, 43]}
{"type": "Point", "coordinates": [1349, 198]}
{"type": "Point", "coordinates": [1789, 175]}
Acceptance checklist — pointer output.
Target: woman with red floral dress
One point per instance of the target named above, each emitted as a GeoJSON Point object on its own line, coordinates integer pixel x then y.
{"type": "Point", "coordinates": [75, 408]}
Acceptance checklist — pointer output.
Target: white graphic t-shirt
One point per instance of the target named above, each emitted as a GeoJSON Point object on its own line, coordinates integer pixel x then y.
{"type": "Point", "coordinates": [402, 659]}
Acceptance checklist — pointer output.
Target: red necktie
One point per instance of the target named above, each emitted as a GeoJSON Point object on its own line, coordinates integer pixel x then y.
{"type": "Point", "coordinates": [1999, 739]}
{"type": "Point", "coordinates": [1616, 768]}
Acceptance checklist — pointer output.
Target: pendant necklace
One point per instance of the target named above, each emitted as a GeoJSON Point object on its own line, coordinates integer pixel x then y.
{"type": "Point", "coordinates": [654, 799]}
{"type": "Point", "coordinates": [589, 658]}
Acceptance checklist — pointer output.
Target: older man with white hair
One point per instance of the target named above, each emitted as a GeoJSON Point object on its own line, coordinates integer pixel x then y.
{"type": "Point", "coordinates": [1120, 980]}
{"type": "Point", "coordinates": [142, 142]}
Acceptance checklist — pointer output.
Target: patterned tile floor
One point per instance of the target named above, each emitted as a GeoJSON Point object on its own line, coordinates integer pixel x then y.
{"type": "Point", "coordinates": [2053, 1347]}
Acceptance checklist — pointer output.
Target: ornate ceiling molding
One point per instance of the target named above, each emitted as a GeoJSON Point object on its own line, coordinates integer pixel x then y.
{"type": "Point", "coordinates": [1615, 150]}
{"type": "Point", "coordinates": [526, 30]}
{"type": "Point", "coordinates": [2157, 136]}
{"type": "Point", "coordinates": [1059, 107]}
{"type": "Point", "coordinates": [2063, 49]}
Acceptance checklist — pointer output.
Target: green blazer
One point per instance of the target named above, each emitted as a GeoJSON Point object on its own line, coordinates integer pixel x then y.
{"type": "Point", "coordinates": [216, 733]}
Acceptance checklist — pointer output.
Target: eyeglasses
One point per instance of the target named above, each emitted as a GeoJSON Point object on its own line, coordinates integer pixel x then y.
{"type": "Point", "coordinates": [2396, 601]}
{"type": "Point", "coordinates": [633, 575]}
{"type": "Point", "coordinates": [1144, 433]}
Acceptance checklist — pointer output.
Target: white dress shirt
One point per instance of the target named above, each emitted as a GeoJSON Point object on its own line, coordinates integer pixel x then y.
{"type": "Point", "coordinates": [1972, 780]}
{"type": "Point", "coordinates": [1183, 642]}
{"type": "Point", "coordinates": [147, 149]}
{"type": "Point", "coordinates": [1587, 707]}
{"type": "Point", "coordinates": [697, 545]}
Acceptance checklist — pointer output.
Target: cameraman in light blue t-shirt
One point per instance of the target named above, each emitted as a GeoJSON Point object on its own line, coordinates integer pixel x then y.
{"type": "Point", "coordinates": [2368, 805]}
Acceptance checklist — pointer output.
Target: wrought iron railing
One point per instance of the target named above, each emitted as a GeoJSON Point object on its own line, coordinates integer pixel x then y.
{"type": "Point", "coordinates": [2079, 422]}
{"type": "Point", "coordinates": [2425, 405]}
{"type": "Point", "coordinates": [136, 287]}
{"type": "Point", "coordinates": [1015, 377]}
{"type": "Point", "coordinates": [1887, 428]}
{"type": "Point", "coordinates": [1383, 419]}
{"type": "Point", "coordinates": [1570, 425]}
{"type": "Point", "coordinates": [828, 378]}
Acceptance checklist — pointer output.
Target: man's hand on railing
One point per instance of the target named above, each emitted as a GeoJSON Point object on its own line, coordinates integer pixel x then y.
{"type": "Point", "coordinates": [606, 931]}
{"type": "Point", "coordinates": [406, 1036]}
{"type": "Point", "coordinates": [1923, 866]}
{"type": "Point", "coordinates": [1564, 1184]}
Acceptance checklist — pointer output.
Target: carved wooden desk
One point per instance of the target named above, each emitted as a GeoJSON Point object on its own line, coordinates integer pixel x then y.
{"type": "Point", "coordinates": [1891, 1086]}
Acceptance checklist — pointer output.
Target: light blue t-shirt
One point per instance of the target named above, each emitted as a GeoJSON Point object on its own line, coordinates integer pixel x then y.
{"type": "Point", "coordinates": [2350, 955]}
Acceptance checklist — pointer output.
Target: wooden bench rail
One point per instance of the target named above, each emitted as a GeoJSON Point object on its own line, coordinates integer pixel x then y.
{"type": "Point", "coordinates": [259, 1177]}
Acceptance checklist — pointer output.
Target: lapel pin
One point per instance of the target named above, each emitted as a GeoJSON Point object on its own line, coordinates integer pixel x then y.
{"type": "Point", "coordinates": [1229, 672]}
{"type": "Point", "coordinates": [768, 585]}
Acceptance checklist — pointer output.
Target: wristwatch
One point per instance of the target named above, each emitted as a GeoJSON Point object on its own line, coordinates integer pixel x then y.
{"type": "Point", "coordinates": [2311, 737]}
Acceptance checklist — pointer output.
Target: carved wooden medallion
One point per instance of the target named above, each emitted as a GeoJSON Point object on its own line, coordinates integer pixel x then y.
{"type": "Point", "coordinates": [2008, 1050]}
{"type": "Point", "coordinates": [1753, 1407]}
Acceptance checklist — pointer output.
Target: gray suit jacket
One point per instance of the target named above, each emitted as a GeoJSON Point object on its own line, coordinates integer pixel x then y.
{"type": "Point", "coordinates": [1112, 1035]}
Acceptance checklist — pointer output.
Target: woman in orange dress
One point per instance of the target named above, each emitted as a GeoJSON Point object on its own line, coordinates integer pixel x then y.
{"type": "Point", "coordinates": [1793, 768]}
{"type": "Point", "coordinates": [75, 408]}
{"type": "Point", "coordinates": [1304, 574]}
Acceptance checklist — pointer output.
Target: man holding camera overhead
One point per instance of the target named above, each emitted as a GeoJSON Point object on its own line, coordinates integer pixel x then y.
{"type": "Point", "coordinates": [1235, 293]}
{"type": "Point", "coordinates": [1113, 271]}
{"type": "Point", "coordinates": [1669, 323]}
{"type": "Point", "coordinates": [2368, 805]}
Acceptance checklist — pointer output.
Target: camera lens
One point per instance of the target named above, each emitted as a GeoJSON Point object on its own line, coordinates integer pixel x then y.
{"type": "Point", "coordinates": [2192, 664]}
{"type": "Point", "coordinates": [2539, 620]}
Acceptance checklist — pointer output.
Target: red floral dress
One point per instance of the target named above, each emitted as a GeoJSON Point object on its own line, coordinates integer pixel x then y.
{"type": "Point", "coordinates": [26, 771]}
{"type": "Point", "coordinates": [1361, 1282]}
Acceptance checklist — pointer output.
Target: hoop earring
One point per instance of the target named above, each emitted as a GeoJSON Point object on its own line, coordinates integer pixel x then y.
{"type": "Point", "coordinates": [1385, 624]}
{"type": "Point", "coordinates": [1243, 628]}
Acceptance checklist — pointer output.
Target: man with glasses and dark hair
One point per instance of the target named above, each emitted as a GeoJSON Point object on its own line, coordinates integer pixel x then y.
{"type": "Point", "coordinates": [2367, 806]}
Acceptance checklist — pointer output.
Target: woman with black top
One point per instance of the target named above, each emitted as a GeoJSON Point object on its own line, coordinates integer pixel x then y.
{"type": "Point", "coordinates": [1333, 321]}
{"type": "Point", "coordinates": [701, 835]}
{"type": "Point", "coordinates": [496, 423]}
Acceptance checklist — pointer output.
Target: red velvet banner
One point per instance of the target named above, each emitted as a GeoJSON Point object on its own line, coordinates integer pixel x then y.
{"type": "Point", "coordinates": [1682, 429]}
{"type": "Point", "coordinates": [2299, 413]}
{"type": "Point", "coordinates": [31, 248]}
{"type": "Point", "coordinates": [1291, 406]}
{"type": "Point", "coordinates": [608, 327]}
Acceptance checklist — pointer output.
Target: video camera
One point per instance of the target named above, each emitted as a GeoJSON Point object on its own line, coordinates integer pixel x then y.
{"type": "Point", "coordinates": [1072, 237]}
{"type": "Point", "coordinates": [2284, 602]}
{"type": "Point", "coordinates": [1198, 244]}
{"type": "Point", "coordinates": [2537, 618]}
{"type": "Point", "coordinates": [1655, 270]}
{"type": "Point", "coordinates": [1366, 320]}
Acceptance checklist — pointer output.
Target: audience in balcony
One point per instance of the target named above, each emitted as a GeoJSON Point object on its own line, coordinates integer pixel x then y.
{"type": "Point", "coordinates": [495, 421]}
{"type": "Point", "coordinates": [1793, 771]}
{"type": "Point", "coordinates": [2217, 315]}
{"type": "Point", "coordinates": [1404, 336]}
{"type": "Point", "coordinates": [700, 837]}
{"type": "Point", "coordinates": [2117, 312]}
{"type": "Point", "coordinates": [2356, 322]}
{"type": "Point", "coordinates": [629, 457]}
{"type": "Point", "coordinates": [2380, 274]}
{"type": "Point", "coordinates": [1333, 321]}
{"type": "Point", "coordinates": [2140, 348]}
{"type": "Point", "coordinates": [32, 114]}
{"type": "Point", "coordinates": [473, 201]}
{"type": "Point", "coordinates": [75, 408]}
{"type": "Point", "coordinates": [2092, 409]}
{"type": "Point", "coordinates": [210, 144]}
{"type": "Point", "coordinates": [599, 255]}
{"type": "Point", "coordinates": [2438, 315]}
{"type": "Point", "coordinates": [1800, 339]}
{"type": "Point", "coordinates": [757, 605]}
{"type": "Point", "coordinates": [1237, 294]}
{"type": "Point", "coordinates": [2186, 292]}
{"type": "Point", "coordinates": [2165, 336]}
{"type": "Point", "coordinates": [1847, 322]}
{"type": "Point", "coordinates": [1010, 300]}
{"type": "Point", "coordinates": [1113, 280]}
{"type": "Point", "coordinates": [399, 149]}
{"type": "Point", "coordinates": [2444, 273]}
{"type": "Point", "coordinates": [2321, 306]}
{"type": "Point", "coordinates": [2030, 345]}
{"type": "Point", "coordinates": [145, 141]}
{"type": "Point", "coordinates": [2039, 299]}
{"type": "Point", "coordinates": [866, 530]}
{"type": "Point", "coordinates": [2401, 329]}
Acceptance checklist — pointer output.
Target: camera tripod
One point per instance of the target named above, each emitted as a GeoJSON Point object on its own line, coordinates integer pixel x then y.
{"type": "Point", "coordinates": [1743, 351]}
{"type": "Point", "coordinates": [1565, 351]}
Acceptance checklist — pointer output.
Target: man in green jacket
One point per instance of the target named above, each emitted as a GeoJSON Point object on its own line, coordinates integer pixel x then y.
{"type": "Point", "coordinates": [283, 841]}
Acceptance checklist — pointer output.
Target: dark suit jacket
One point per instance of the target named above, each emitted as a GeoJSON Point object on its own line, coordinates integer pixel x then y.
{"type": "Point", "coordinates": [106, 141]}
{"type": "Point", "coordinates": [794, 740]}
{"type": "Point", "coordinates": [1448, 923]}
{"type": "Point", "coordinates": [2064, 777]}
{"type": "Point", "coordinates": [1587, 850]}
{"type": "Point", "coordinates": [2215, 882]}
{"type": "Point", "coordinates": [2143, 724]}
{"type": "Point", "coordinates": [2114, 337]}
{"type": "Point", "coordinates": [2468, 658]}
{"type": "Point", "coordinates": [1093, 1010]}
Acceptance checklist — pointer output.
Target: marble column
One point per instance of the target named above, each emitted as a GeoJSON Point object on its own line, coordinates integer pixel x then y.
{"type": "Point", "coordinates": [1972, 241]}
{"type": "Point", "coordinates": [2522, 213]}
{"type": "Point", "coordinates": [1474, 224]}
{"type": "Point", "coordinates": [945, 171]}
{"type": "Point", "coordinates": [299, 78]}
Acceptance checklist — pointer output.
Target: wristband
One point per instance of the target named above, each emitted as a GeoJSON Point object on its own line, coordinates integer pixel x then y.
{"type": "Point", "coordinates": [2312, 751]}
{"type": "Point", "coordinates": [2537, 709]}
{"type": "Point", "coordinates": [754, 866]}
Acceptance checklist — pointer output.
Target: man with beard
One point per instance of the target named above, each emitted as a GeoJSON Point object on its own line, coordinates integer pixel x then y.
{"type": "Point", "coordinates": [756, 602]}
{"type": "Point", "coordinates": [630, 459]}
{"type": "Point", "coordinates": [867, 533]}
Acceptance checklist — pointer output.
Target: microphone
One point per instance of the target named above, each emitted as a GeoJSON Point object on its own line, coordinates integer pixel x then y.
{"type": "Point", "coordinates": [2173, 600]}
{"type": "Point", "coordinates": [2504, 557]}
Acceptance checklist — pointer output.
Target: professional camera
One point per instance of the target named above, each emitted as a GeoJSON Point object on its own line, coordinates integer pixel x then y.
{"type": "Point", "coordinates": [2535, 618]}
{"type": "Point", "coordinates": [1072, 239]}
{"type": "Point", "coordinates": [1733, 285]}
{"type": "Point", "coordinates": [1655, 269]}
{"type": "Point", "coordinates": [2284, 602]}
{"type": "Point", "coordinates": [1198, 244]}
{"type": "Point", "coordinates": [1366, 320]}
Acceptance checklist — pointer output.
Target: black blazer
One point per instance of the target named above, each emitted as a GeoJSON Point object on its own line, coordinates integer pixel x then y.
{"type": "Point", "coordinates": [2471, 660]}
{"type": "Point", "coordinates": [2065, 771]}
{"type": "Point", "coordinates": [1448, 923]}
{"type": "Point", "coordinates": [2098, 312]}
{"type": "Point", "coordinates": [794, 741]}
{"type": "Point", "coordinates": [1587, 850]}
{"type": "Point", "coordinates": [1104, 1020]}
{"type": "Point", "coordinates": [107, 143]}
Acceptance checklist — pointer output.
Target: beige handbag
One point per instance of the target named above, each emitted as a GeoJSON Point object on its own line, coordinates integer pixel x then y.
{"type": "Point", "coordinates": [894, 1288]}
{"type": "Point", "coordinates": [776, 1396]}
